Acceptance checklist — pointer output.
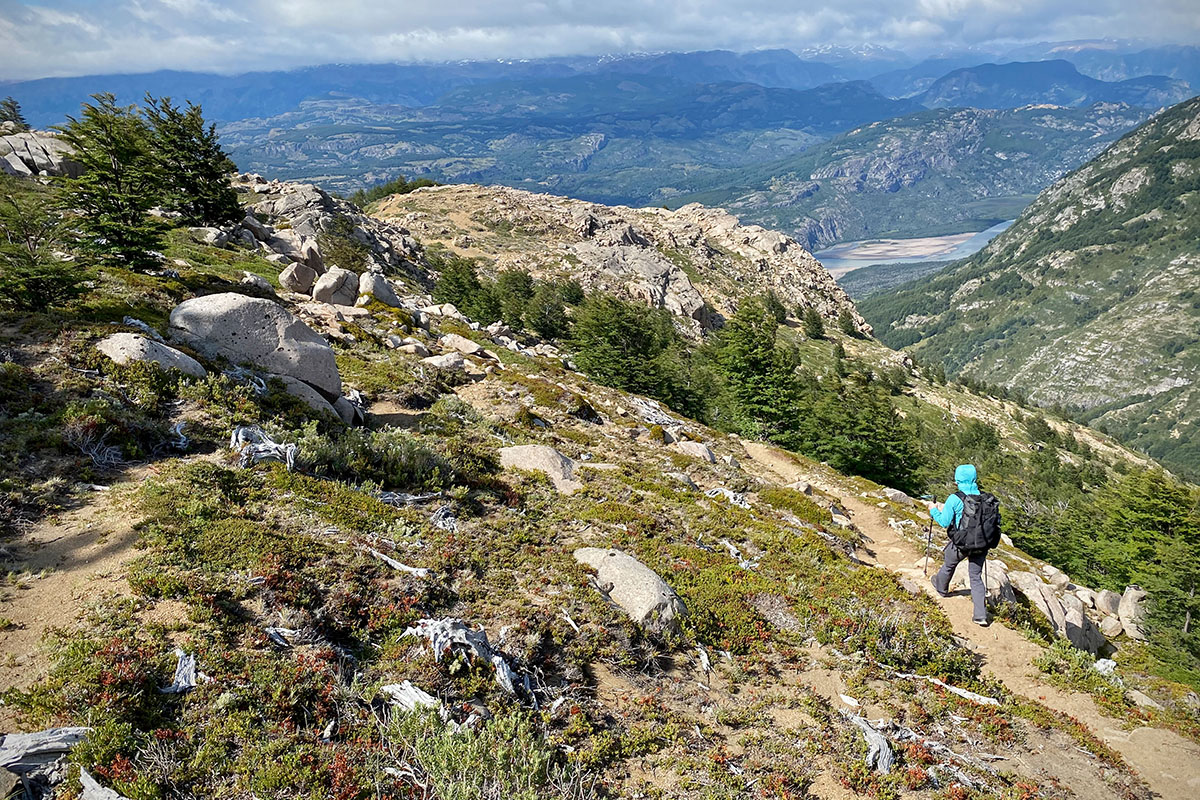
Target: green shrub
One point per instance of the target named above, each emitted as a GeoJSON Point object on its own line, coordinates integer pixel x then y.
{"type": "Point", "coordinates": [504, 758]}
{"type": "Point", "coordinates": [800, 504]}
{"type": "Point", "coordinates": [390, 458]}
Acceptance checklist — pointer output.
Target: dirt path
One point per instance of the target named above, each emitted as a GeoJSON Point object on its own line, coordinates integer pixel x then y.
{"type": "Point", "coordinates": [1168, 763]}
{"type": "Point", "coordinates": [59, 567]}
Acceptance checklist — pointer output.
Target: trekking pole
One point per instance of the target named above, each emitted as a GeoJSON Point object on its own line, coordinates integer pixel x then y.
{"type": "Point", "coordinates": [928, 540]}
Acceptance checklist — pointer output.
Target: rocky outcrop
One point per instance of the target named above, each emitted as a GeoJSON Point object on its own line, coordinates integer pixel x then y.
{"type": "Point", "coordinates": [636, 588]}
{"type": "Point", "coordinates": [695, 262]}
{"type": "Point", "coordinates": [298, 278]}
{"type": "Point", "coordinates": [696, 450]}
{"type": "Point", "coordinates": [1132, 612]}
{"type": "Point", "coordinates": [37, 153]}
{"type": "Point", "coordinates": [337, 286]}
{"type": "Point", "coordinates": [540, 458]}
{"type": "Point", "coordinates": [374, 285]}
{"type": "Point", "coordinates": [253, 330]}
{"type": "Point", "coordinates": [125, 348]}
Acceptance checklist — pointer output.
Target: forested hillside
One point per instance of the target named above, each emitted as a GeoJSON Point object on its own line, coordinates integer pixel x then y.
{"type": "Point", "coordinates": [1091, 300]}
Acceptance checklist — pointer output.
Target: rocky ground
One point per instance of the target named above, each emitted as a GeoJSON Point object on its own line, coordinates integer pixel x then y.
{"type": "Point", "coordinates": [347, 548]}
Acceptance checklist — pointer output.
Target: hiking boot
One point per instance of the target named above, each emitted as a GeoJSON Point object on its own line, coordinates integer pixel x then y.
{"type": "Point", "coordinates": [940, 593]}
{"type": "Point", "coordinates": [983, 623]}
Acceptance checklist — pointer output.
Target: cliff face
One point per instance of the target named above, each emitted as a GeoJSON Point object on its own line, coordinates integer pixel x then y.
{"type": "Point", "coordinates": [1091, 299]}
{"type": "Point", "coordinates": [696, 262]}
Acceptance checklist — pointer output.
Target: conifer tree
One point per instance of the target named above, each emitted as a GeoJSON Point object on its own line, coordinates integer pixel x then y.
{"type": "Point", "coordinates": [545, 313]}
{"type": "Point", "coordinates": [119, 184]}
{"type": "Point", "coordinates": [32, 231]}
{"type": "Point", "coordinates": [814, 327]}
{"type": "Point", "coordinates": [194, 169]}
{"type": "Point", "coordinates": [10, 111]}
{"type": "Point", "coordinates": [846, 324]}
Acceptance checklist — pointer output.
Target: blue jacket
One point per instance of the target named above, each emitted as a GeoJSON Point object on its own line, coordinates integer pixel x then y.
{"type": "Point", "coordinates": [951, 512]}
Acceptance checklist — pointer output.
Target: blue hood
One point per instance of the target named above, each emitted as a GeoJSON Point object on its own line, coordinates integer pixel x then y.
{"type": "Point", "coordinates": [965, 476]}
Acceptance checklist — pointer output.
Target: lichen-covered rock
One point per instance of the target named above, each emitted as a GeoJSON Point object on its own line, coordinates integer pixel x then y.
{"type": "Point", "coordinates": [1080, 629]}
{"type": "Point", "coordinates": [446, 361]}
{"type": "Point", "coordinates": [126, 347]}
{"type": "Point", "coordinates": [696, 450]}
{"type": "Point", "coordinates": [337, 286]}
{"type": "Point", "coordinates": [302, 391]}
{"type": "Point", "coordinates": [1108, 602]}
{"type": "Point", "coordinates": [1132, 612]}
{"type": "Point", "coordinates": [636, 588]}
{"type": "Point", "coordinates": [298, 278]}
{"type": "Point", "coordinates": [461, 344]}
{"type": "Point", "coordinates": [1111, 627]}
{"type": "Point", "coordinates": [1043, 598]}
{"type": "Point", "coordinates": [541, 458]}
{"type": "Point", "coordinates": [257, 331]}
{"type": "Point", "coordinates": [37, 153]}
{"type": "Point", "coordinates": [375, 285]}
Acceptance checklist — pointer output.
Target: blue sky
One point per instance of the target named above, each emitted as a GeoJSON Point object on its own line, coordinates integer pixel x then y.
{"type": "Point", "coordinates": [75, 37]}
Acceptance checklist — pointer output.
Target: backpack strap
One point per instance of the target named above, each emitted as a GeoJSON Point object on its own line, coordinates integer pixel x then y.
{"type": "Point", "coordinates": [962, 498]}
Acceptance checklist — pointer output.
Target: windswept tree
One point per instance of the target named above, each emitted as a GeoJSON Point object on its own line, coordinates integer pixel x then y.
{"type": "Point", "coordinates": [33, 231]}
{"type": "Point", "coordinates": [118, 186]}
{"type": "Point", "coordinates": [195, 170]}
{"type": "Point", "coordinates": [10, 111]}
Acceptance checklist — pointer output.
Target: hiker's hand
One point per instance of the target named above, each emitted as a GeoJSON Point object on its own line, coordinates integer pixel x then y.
{"type": "Point", "coordinates": [933, 505]}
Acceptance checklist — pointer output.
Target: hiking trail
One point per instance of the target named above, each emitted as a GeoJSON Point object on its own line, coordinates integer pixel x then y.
{"type": "Point", "coordinates": [1169, 763]}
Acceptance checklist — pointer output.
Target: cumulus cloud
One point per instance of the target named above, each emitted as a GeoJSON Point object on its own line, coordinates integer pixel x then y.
{"type": "Point", "coordinates": [74, 37]}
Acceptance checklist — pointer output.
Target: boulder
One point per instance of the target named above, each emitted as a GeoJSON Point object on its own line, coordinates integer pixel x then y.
{"type": "Point", "coordinates": [259, 230]}
{"type": "Point", "coordinates": [337, 286]}
{"type": "Point", "coordinates": [375, 285]}
{"type": "Point", "coordinates": [684, 479]}
{"type": "Point", "coordinates": [999, 587]}
{"type": "Point", "coordinates": [257, 282]}
{"type": "Point", "coordinates": [349, 412]}
{"type": "Point", "coordinates": [126, 347]}
{"type": "Point", "coordinates": [897, 496]}
{"type": "Point", "coordinates": [1043, 598]}
{"type": "Point", "coordinates": [254, 330]}
{"type": "Point", "coordinates": [302, 391]}
{"type": "Point", "coordinates": [1111, 627]}
{"type": "Point", "coordinates": [1080, 629]}
{"type": "Point", "coordinates": [696, 450]}
{"type": "Point", "coordinates": [298, 278]}
{"type": "Point", "coordinates": [1058, 579]}
{"type": "Point", "coordinates": [210, 236]}
{"type": "Point", "coordinates": [540, 458]}
{"type": "Point", "coordinates": [1108, 602]}
{"type": "Point", "coordinates": [1132, 612]}
{"type": "Point", "coordinates": [37, 153]}
{"type": "Point", "coordinates": [802, 486]}
{"type": "Point", "coordinates": [413, 348]}
{"type": "Point", "coordinates": [452, 341]}
{"type": "Point", "coordinates": [1086, 596]}
{"type": "Point", "coordinates": [636, 588]}
{"type": "Point", "coordinates": [1143, 700]}
{"type": "Point", "coordinates": [312, 256]}
{"type": "Point", "coordinates": [446, 361]}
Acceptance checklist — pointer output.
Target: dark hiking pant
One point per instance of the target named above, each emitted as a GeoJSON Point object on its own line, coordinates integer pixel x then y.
{"type": "Point", "coordinates": [952, 556]}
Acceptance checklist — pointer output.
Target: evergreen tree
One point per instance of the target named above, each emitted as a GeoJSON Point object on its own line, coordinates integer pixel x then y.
{"type": "Point", "coordinates": [118, 186]}
{"type": "Point", "coordinates": [775, 306]}
{"type": "Point", "coordinates": [194, 169]}
{"type": "Point", "coordinates": [341, 248]}
{"type": "Point", "coordinates": [546, 314]}
{"type": "Point", "coordinates": [845, 323]}
{"type": "Point", "coordinates": [514, 287]}
{"type": "Point", "coordinates": [32, 230]}
{"type": "Point", "coordinates": [631, 347]}
{"type": "Point", "coordinates": [814, 326]}
{"type": "Point", "coordinates": [10, 111]}
{"type": "Point", "coordinates": [458, 283]}
{"type": "Point", "coordinates": [759, 375]}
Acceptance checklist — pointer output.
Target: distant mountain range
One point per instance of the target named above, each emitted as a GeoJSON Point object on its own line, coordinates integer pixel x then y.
{"type": "Point", "coordinates": [1057, 82]}
{"type": "Point", "coordinates": [926, 173]}
{"type": "Point", "coordinates": [1092, 299]}
{"type": "Point", "coordinates": [639, 129]}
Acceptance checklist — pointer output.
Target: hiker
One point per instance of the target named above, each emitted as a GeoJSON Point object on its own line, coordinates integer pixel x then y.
{"type": "Point", "coordinates": [972, 522]}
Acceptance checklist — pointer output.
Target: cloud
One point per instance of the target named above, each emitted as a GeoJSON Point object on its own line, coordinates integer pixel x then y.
{"type": "Point", "coordinates": [74, 37]}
